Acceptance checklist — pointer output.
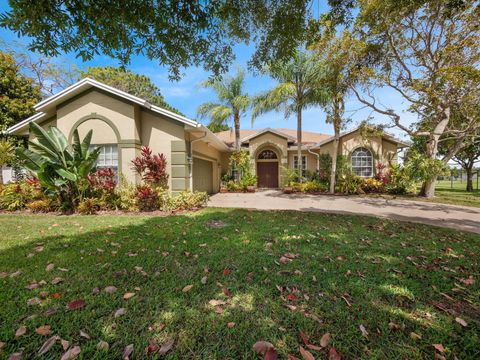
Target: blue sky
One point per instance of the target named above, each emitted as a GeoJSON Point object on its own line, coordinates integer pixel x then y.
{"type": "Point", "coordinates": [186, 95]}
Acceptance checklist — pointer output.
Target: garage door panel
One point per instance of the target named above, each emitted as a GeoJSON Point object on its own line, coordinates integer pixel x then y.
{"type": "Point", "coordinates": [202, 175]}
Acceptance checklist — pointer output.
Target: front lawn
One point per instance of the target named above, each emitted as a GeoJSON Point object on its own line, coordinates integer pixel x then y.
{"type": "Point", "coordinates": [381, 289]}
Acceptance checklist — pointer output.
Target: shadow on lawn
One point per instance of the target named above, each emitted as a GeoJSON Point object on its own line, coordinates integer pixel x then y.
{"type": "Point", "coordinates": [351, 271]}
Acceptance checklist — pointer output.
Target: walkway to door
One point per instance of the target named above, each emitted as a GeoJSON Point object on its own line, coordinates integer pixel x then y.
{"type": "Point", "coordinates": [451, 216]}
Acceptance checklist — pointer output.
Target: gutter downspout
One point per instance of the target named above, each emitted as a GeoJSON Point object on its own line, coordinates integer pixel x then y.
{"type": "Point", "coordinates": [190, 159]}
{"type": "Point", "coordinates": [318, 158]}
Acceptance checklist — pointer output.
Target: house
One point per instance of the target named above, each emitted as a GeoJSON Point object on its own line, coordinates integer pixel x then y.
{"type": "Point", "coordinates": [123, 123]}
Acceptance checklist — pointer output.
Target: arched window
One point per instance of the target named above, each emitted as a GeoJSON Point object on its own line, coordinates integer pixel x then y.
{"type": "Point", "coordinates": [362, 162]}
{"type": "Point", "coordinates": [267, 155]}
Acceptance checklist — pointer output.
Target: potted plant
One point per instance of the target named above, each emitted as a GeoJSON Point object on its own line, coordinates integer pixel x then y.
{"type": "Point", "coordinates": [248, 182]}
{"type": "Point", "coordinates": [223, 182]}
{"type": "Point", "coordinates": [290, 177]}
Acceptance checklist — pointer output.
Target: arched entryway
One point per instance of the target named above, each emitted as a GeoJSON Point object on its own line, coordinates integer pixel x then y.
{"type": "Point", "coordinates": [267, 169]}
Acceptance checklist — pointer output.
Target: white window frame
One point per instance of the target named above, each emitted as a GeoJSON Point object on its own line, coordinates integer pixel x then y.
{"type": "Point", "coordinates": [304, 164]}
{"type": "Point", "coordinates": [366, 162]}
{"type": "Point", "coordinates": [113, 164]}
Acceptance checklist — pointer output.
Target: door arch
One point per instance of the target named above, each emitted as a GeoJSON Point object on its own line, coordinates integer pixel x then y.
{"type": "Point", "coordinates": [267, 169]}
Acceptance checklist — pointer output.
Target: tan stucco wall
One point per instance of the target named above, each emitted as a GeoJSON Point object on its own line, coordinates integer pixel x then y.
{"type": "Point", "coordinates": [389, 152]}
{"type": "Point", "coordinates": [103, 133]}
{"type": "Point", "coordinates": [311, 160]}
{"type": "Point", "coordinates": [204, 151]}
{"type": "Point", "coordinates": [158, 132]}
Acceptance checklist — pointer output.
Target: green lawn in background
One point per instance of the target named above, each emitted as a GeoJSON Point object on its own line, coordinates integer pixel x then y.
{"type": "Point", "coordinates": [405, 284]}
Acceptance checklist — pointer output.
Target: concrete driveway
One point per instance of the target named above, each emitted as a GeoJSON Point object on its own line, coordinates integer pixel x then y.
{"type": "Point", "coordinates": [451, 216]}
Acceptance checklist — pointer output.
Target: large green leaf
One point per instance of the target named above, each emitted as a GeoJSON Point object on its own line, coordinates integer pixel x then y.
{"type": "Point", "coordinates": [67, 174]}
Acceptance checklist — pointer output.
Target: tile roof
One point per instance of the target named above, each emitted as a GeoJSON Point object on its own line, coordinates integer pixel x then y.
{"type": "Point", "coordinates": [308, 137]}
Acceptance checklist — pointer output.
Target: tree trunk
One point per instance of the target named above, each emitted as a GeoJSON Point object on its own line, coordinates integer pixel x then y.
{"type": "Point", "coordinates": [299, 143]}
{"type": "Point", "coordinates": [236, 124]}
{"type": "Point", "coordinates": [428, 188]}
{"type": "Point", "coordinates": [469, 179]}
{"type": "Point", "coordinates": [333, 173]}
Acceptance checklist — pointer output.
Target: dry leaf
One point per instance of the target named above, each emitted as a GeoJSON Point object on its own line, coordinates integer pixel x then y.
{"type": "Point", "coordinates": [34, 301]}
{"type": "Point", "coordinates": [102, 345]}
{"type": "Point", "coordinates": [230, 325]}
{"type": "Point", "coordinates": [325, 340]}
{"type": "Point", "coordinates": [119, 312]}
{"type": "Point", "coordinates": [439, 347]}
{"type": "Point", "coordinates": [110, 289]}
{"type": "Point", "coordinates": [187, 288]}
{"type": "Point", "coordinates": [364, 331]}
{"type": "Point", "coordinates": [57, 280]}
{"type": "Point", "coordinates": [72, 353]}
{"type": "Point", "coordinates": [271, 354]}
{"type": "Point", "coordinates": [65, 344]}
{"type": "Point", "coordinates": [47, 345]}
{"type": "Point", "coordinates": [127, 352]}
{"type": "Point", "coordinates": [204, 280]}
{"type": "Point", "coordinates": [20, 331]}
{"type": "Point", "coordinates": [304, 338]}
{"type": "Point", "coordinates": [227, 292]}
{"type": "Point", "coordinates": [217, 302]}
{"type": "Point", "coordinates": [307, 355]}
{"type": "Point", "coordinates": [50, 267]}
{"type": "Point", "coordinates": [261, 347]}
{"type": "Point", "coordinates": [415, 336]}
{"type": "Point", "coordinates": [84, 334]}
{"type": "Point", "coordinates": [15, 356]}
{"type": "Point", "coordinates": [461, 321]}
{"type": "Point", "coordinates": [44, 330]}
{"type": "Point", "coordinates": [166, 347]}
{"type": "Point", "coordinates": [76, 304]}
{"type": "Point", "coordinates": [128, 295]}
{"type": "Point", "coordinates": [333, 354]}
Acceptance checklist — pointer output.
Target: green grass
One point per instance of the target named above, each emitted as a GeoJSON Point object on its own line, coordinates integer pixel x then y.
{"type": "Point", "coordinates": [351, 271]}
{"type": "Point", "coordinates": [445, 193]}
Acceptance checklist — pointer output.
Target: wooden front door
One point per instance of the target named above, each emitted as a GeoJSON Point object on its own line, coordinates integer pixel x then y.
{"type": "Point", "coordinates": [267, 174]}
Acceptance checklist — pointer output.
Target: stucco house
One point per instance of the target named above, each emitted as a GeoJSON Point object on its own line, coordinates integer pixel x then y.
{"type": "Point", "coordinates": [123, 123]}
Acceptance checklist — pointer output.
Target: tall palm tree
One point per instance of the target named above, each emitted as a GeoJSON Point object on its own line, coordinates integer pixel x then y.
{"type": "Point", "coordinates": [298, 89]}
{"type": "Point", "coordinates": [231, 105]}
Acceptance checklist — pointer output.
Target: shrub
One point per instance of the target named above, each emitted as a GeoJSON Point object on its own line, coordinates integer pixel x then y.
{"type": "Point", "coordinates": [40, 206]}
{"type": "Point", "coordinates": [290, 176]}
{"type": "Point", "coordinates": [15, 196]}
{"type": "Point", "coordinates": [125, 195]}
{"type": "Point", "coordinates": [350, 183]}
{"type": "Point", "coordinates": [147, 198]}
{"type": "Point", "coordinates": [400, 182]}
{"type": "Point", "coordinates": [103, 183]}
{"type": "Point", "coordinates": [373, 185]}
{"type": "Point", "coordinates": [247, 180]}
{"type": "Point", "coordinates": [88, 206]}
{"type": "Point", "coordinates": [186, 200]}
{"type": "Point", "coordinates": [325, 167]}
{"type": "Point", "coordinates": [152, 168]}
{"type": "Point", "coordinates": [233, 186]}
{"type": "Point", "coordinates": [314, 186]}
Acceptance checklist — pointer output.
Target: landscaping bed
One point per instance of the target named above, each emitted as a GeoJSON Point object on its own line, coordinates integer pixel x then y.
{"type": "Point", "coordinates": [210, 284]}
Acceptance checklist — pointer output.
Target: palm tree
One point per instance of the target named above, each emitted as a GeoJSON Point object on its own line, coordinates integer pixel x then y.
{"type": "Point", "coordinates": [231, 105]}
{"type": "Point", "coordinates": [6, 154]}
{"type": "Point", "coordinates": [298, 89]}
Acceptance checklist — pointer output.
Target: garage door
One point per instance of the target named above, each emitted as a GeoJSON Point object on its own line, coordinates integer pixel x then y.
{"type": "Point", "coordinates": [202, 175]}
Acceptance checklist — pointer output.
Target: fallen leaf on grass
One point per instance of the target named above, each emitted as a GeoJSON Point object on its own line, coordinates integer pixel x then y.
{"type": "Point", "coordinates": [127, 352]}
{"type": "Point", "coordinates": [226, 272]}
{"type": "Point", "coordinates": [65, 344]}
{"type": "Point", "coordinates": [231, 325]}
{"type": "Point", "coordinates": [128, 295]}
{"type": "Point", "coordinates": [187, 288]}
{"type": "Point", "coordinates": [325, 340]}
{"type": "Point", "coordinates": [56, 295]}
{"type": "Point", "coordinates": [20, 331]}
{"type": "Point", "coordinates": [333, 354]}
{"type": "Point", "coordinates": [261, 347]}
{"type": "Point", "coordinates": [461, 321]}
{"type": "Point", "coordinates": [439, 347]}
{"type": "Point", "coordinates": [291, 297]}
{"type": "Point", "coordinates": [227, 292]}
{"type": "Point", "coordinates": [110, 289]}
{"type": "Point", "coordinates": [204, 280]}
{"type": "Point", "coordinates": [44, 330]}
{"type": "Point", "coordinates": [76, 304]}
{"type": "Point", "coordinates": [102, 345]}
{"type": "Point", "coordinates": [304, 338]}
{"type": "Point", "coordinates": [394, 326]}
{"type": "Point", "coordinates": [364, 331]}
{"type": "Point", "coordinates": [271, 354]}
{"type": "Point", "coordinates": [284, 260]}
{"type": "Point", "coordinates": [50, 267]}
{"type": "Point", "coordinates": [307, 355]}
{"type": "Point", "coordinates": [166, 347]}
{"type": "Point", "coordinates": [15, 356]}
{"type": "Point", "coordinates": [57, 280]}
{"type": "Point", "coordinates": [119, 312]}
{"type": "Point", "coordinates": [292, 357]}
{"type": "Point", "coordinates": [72, 353]}
{"type": "Point", "coordinates": [34, 301]}
{"type": "Point", "coordinates": [47, 345]}
{"type": "Point", "coordinates": [84, 335]}
{"type": "Point", "coordinates": [415, 336]}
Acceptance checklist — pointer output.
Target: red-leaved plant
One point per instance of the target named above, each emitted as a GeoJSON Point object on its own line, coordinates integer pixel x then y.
{"type": "Point", "coordinates": [152, 168]}
{"type": "Point", "coordinates": [383, 174]}
{"type": "Point", "coordinates": [103, 180]}
{"type": "Point", "coordinates": [147, 198]}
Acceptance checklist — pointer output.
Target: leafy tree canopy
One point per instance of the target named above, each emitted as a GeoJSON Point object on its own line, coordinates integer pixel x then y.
{"type": "Point", "coordinates": [130, 82]}
{"type": "Point", "coordinates": [18, 94]}
{"type": "Point", "coordinates": [214, 127]}
{"type": "Point", "coordinates": [176, 33]}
